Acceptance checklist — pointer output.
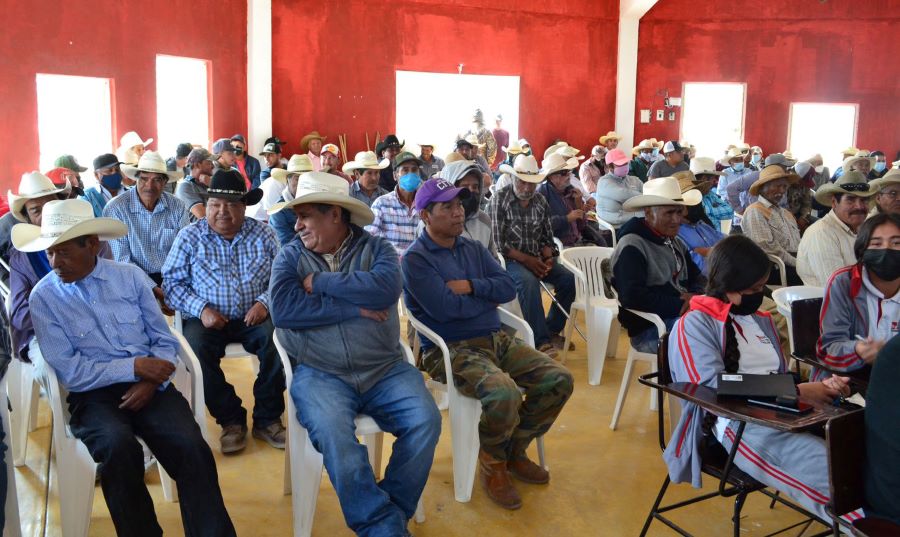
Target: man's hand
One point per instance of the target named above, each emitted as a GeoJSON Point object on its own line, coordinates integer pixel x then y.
{"type": "Point", "coordinates": [211, 318]}
{"type": "Point", "coordinates": [308, 283]}
{"type": "Point", "coordinates": [138, 396]}
{"type": "Point", "coordinates": [460, 287]}
{"type": "Point", "coordinates": [577, 214]}
{"type": "Point", "coordinates": [376, 315]}
{"type": "Point", "coordinates": [590, 204]}
{"type": "Point", "coordinates": [161, 298]}
{"type": "Point", "coordinates": [825, 392]}
{"type": "Point", "coordinates": [536, 266]}
{"type": "Point", "coordinates": [702, 251]}
{"type": "Point", "coordinates": [868, 349]}
{"type": "Point", "coordinates": [155, 370]}
{"type": "Point", "coordinates": [256, 315]}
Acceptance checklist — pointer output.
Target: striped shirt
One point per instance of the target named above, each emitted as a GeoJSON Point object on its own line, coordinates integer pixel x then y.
{"type": "Point", "coordinates": [394, 221]}
{"type": "Point", "coordinates": [203, 269]}
{"type": "Point", "coordinates": [150, 233]}
{"type": "Point", "coordinates": [526, 229]}
{"type": "Point", "coordinates": [90, 331]}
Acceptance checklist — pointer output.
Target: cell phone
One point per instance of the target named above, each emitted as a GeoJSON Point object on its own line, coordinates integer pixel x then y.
{"type": "Point", "coordinates": [781, 404]}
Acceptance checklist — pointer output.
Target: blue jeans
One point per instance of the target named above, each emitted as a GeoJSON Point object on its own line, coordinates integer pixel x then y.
{"type": "Point", "coordinates": [648, 340]}
{"type": "Point", "coordinates": [528, 288]}
{"type": "Point", "coordinates": [402, 406]}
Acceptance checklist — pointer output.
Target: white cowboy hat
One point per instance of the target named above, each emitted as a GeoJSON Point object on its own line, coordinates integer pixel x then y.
{"type": "Point", "coordinates": [131, 139]}
{"type": "Point", "coordinates": [744, 147]}
{"type": "Point", "coordinates": [365, 160]}
{"type": "Point", "coordinates": [860, 155]}
{"type": "Point", "coordinates": [514, 148]}
{"type": "Point", "coordinates": [64, 220]}
{"type": "Point", "coordinates": [152, 162]}
{"type": "Point", "coordinates": [556, 162]}
{"type": "Point", "coordinates": [853, 183]}
{"type": "Point", "coordinates": [892, 177]}
{"type": "Point", "coordinates": [569, 152]}
{"type": "Point", "coordinates": [297, 164]}
{"type": "Point", "coordinates": [472, 140]}
{"type": "Point", "coordinates": [732, 153]}
{"type": "Point", "coordinates": [704, 165]}
{"type": "Point", "coordinates": [850, 151]}
{"type": "Point", "coordinates": [662, 191]}
{"type": "Point", "coordinates": [328, 189]}
{"type": "Point", "coordinates": [611, 135]}
{"type": "Point", "coordinates": [33, 185]}
{"type": "Point", "coordinates": [554, 148]}
{"type": "Point", "coordinates": [523, 142]}
{"type": "Point", "coordinates": [525, 168]}
{"type": "Point", "coordinates": [645, 144]}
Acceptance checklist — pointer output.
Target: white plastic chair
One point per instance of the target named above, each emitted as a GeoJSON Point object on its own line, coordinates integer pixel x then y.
{"type": "Point", "coordinates": [232, 350]}
{"type": "Point", "coordinates": [782, 271]}
{"type": "Point", "coordinates": [303, 465]}
{"type": "Point", "coordinates": [11, 509]}
{"type": "Point", "coordinates": [24, 393]}
{"type": "Point", "coordinates": [783, 298]}
{"type": "Point", "coordinates": [600, 311]}
{"type": "Point", "coordinates": [465, 412]}
{"type": "Point", "coordinates": [634, 356]}
{"type": "Point", "coordinates": [609, 227]}
{"type": "Point", "coordinates": [76, 470]}
{"type": "Point", "coordinates": [725, 226]}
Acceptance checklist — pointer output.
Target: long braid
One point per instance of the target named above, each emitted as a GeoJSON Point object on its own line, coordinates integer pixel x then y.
{"type": "Point", "coordinates": [731, 355]}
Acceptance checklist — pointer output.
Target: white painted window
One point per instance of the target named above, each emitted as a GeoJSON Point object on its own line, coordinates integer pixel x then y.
{"type": "Point", "coordinates": [74, 118]}
{"type": "Point", "coordinates": [182, 102]}
{"type": "Point", "coordinates": [713, 116]}
{"type": "Point", "coordinates": [824, 128]}
{"type": "Point", "coordinates": [437, 107]}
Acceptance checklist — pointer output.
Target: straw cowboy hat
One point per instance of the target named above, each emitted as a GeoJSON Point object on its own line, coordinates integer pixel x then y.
{"type": "Point", "coordinates": [131, 139]}
{"type": "Point", "coordinates": [33, 185]}
{"type": "Point", "coordinates": [314, 135]}
{"type": "Point", "coordinates": [853, 183]}
{"type": "Point", "coordinates": [662, 191]}
{"type": "Point", "coordinates": [769, 174]}
{"type": "Point", "coordinates": [152, 162]}
{"type": "Point", "coordinates": [645, 144]}
{"type": "Point", "coordinates": [744, 147]}
{"type": "Point", "coordinates": [860, 155]}
{"type": "Point", "coordinates": [657, 143]}
{"type": "Point", "coordinates": [892, 177]}
{"type": "Point", "coordinates": [611, 135]}
{"type": "Point", "coordinates": [569, 152]}
{"type": "Point", "coordinates": [556, 162]}
{"type": "Point", "coordinates": [733, 153]}
{"type": "Point", "coordinates": [64, 220]}
{"type": "Point", "coordinates": [525, 168]}
{"type": "Point", "coordinates": [471, 140]}
{"type": "Point", "coordinates": [297, 164]}
{"type": "Point", "coordinates": [554, 148]}
{"type": "Point", "coordinates": [704, 166]}
{"type": "Point", "coordinates": [327, 189]}
{"type": "Point", "coordinates": [365, 160]}
{"type": "Point", "coordinates": [850, 151]}
{"type": "Point", "coordinates": [514, 149]}
{"type": "Point", "coordinates": [686, 180]}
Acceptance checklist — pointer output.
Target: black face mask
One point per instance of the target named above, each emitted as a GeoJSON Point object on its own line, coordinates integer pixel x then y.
{"type": "Point", "coordinates": [238, 151]}
{"type": "Point", "coordinates": [749, 304]}
{"type": "Point", "coordinates": [470, 204]}
{"type": "Point", "coordinates": [884, 263]}
{"type": "Point", "coordinates": [696, 213]}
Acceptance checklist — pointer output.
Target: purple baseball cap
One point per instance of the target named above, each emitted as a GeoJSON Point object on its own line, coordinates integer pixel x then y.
{"type": "Point", "coordinates": [438, 191]}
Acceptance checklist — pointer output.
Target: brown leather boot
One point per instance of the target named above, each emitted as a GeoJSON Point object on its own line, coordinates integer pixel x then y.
{"type": "Point", "coordinates": [496, 482]}
{"type": "Point", "coordinates": [523, 469]}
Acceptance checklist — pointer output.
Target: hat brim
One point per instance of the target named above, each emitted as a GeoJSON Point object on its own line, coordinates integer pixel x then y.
{"type": "Point", "coordinates": [17, 203]}
{"type": "Point", "coordinates": [281, 175]}
{"type": "Point", "coordinates": [688, 199]}
{"type": "Point", "coordinates": [826, 193]}
{"type": "Point", "coordinates": [604, 139]}
{"type": "Point", "coordinates": [707, 172]}
{"type": "Point", "coordinates": [792, 178]}
{"type": "Point", "coordinates": [448, 195]}
{"type": "Point", "coordinates": [132, 172]}
{"type": "Point", "coordinates": [27, 237]}
{"type": "Point", "coordinates": [250, 198]}
{"type": "Point", "coordinates": [887, 180]}
{"type": "Point", "coordinates": [360, 213]}
{"type": "Point", "coordinates": [527, 177]}
{"type": "Point", "coordinates": [353, 165]}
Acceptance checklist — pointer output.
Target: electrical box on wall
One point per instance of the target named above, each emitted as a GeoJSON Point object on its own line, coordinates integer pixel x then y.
{"type": "Point", "coordinates": [659, 115]}
{"type": "Point", "coordinates": [672, 116]}
{"type": "Point", "coordinates": [645, 116]}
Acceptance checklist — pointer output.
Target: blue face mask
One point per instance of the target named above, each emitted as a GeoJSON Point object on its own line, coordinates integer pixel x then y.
{"type": "Point", "coordinates": [756, 158]}
{"type": "Point", "coordinates": [880, 166]}
{"type": "Point", "coordinates": [655, 151]}
{"type": "Point", "coordinates": [647, 156]}
{"type": "Point", "coordinates": [739, 167]}
{"type": "Point", "coordinates": [410, 182]}
{"type": "Point", "coordinates": [112, 182]}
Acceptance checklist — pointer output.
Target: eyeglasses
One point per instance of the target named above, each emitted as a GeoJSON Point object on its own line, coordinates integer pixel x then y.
{"type": "Point", "coordinates": [890, 194]}
{"type": "Point", "coordinates": [855, 187]}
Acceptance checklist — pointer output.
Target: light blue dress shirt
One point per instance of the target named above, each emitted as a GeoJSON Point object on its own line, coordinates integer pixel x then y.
{"type": "Point", "coordinates": [150, 233]}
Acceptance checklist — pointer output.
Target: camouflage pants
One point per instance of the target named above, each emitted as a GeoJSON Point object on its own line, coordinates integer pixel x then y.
{"type": "Point", "coordinates": [492, 369]}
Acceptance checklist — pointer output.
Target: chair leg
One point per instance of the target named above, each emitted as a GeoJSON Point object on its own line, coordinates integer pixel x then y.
{"type": "Point", "coordinates": [420, 512]}
{"type": "Point", "coordinates": [653, 399]}
{"type": "Point", "coordinates": [736, 518]}
{"type": "Point", "coordinates": [75, 470]}
{"type": "Point", "coordinates": [612, 344]}
{"type": "Point", "coordinates": [598, 326]}
{"type": "Point", "coordinates": [542, 454]}
{"type": "Point", "coordinates": [11, 509]}
{"type": "Point", "coordinates": [170, 491]}
{"type": "Point", "coordinates": [464, 415]}
{"type": "Point", "coordinates": [659, 497]}
{"type": "Point", "coordinates": [573, 313]}
{"type": "Point", "coordinates": [374, 444]}
{"type": "Point", "coordinates": [306, 476]}
{"type": "Point", "coordinates": [623, 390]}
{"type": "Point", "coordinates": [19, 417]}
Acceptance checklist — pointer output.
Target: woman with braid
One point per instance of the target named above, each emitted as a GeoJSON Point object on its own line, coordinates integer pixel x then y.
{"type": "Point", "coordinates": [723, 331]}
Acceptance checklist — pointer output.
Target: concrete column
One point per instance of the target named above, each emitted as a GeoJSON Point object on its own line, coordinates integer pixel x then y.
{"type": "Point", "coordinates": [630, 13]}
{"type": "Point", "coordinates": [259, 73]}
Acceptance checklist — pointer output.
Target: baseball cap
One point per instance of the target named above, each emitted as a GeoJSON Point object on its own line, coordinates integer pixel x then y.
{"type": "Point", "coordinates": [455, 171]}
{"type": "Point", "coordinates": [106, 160]}
{"type": "Point", "coordinates": [405, 157]}
{"type": "Point", "coordinates": [221, 145]}
{"type": "Point", "coordinates": [198, 155]}
{"type": "Point", "coordinates": [333, 149]}
{"type": "Point", "coordinates": [239, 138]}
{"type": "Point", "coordinates": [438, 191]}
{"type": "Point", "coordinates": [672, 146]}
{"type": "Point", "coordinates": [272, 148]}
{"type": "Point", "coordinates": [274, 140]}
{"type": "Point", "coordinates": [183, 150]}
{"type": "Point", "coordinates": [617, 157]}
{"type": "Point", "coordinates": [778, 158]}
{"type": "Point", "coordinates": [68, 161]}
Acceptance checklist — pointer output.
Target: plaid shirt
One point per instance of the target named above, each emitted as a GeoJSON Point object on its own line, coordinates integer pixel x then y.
{"type": "Point", "coordinates": [394, 221]}
{"type": "Point", "coordinates": [774, 229]}
{"type": "Point", "coordinates": [150, 233]}
{"type": "Point", "coordinates": [203, 269]}
{"type": "Point", "coordinates": [526, 229]}
{"type": "Point", "coordinates": [716, 209]}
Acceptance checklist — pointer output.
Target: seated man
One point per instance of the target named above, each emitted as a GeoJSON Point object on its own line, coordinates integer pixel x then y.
{"type": "Point", "coordinates": [705, 179]}
{"type": "Point", "coordinates": [110, 182]}
{"type": "Point", "coordinates": [567, 207]}
{"type": "Point", "coordinates": [696, 231]}
{"type": "Point", "coordinates": [771, 226]}
{"type": "Point", "coordinates": [366, 172]}
{"type": "Point", "coordinates": [396, 218]}
{"type": "Point", "coordinates": [520, 218]}
{"type": "Point", "coordinates": [192, 191]}
{"type": "Point", "coordinates": [861, 308]}
{"type": "Point", "coordinates": [887, 189]}
{"type": "Point", "coordinates": [334, 299]}
{"type": "Point", "coordinates": [217, 275]}
{"type": "Point", "coordinates": [477, 227]}
{"type": "Point", "coordinates": [827, 245]}
{"type": "Point", "coordinates": [102, 332]}
{"type": "Point", "coordinates": [283, 221]}
{"type": "Point", "coordinates": [652, 269]}
{"type": "Point", "coordinates": [453, 285]}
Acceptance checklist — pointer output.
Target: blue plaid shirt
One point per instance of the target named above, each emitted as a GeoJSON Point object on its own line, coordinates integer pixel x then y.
{"type": "Point", "coordinates": [150, 233]}
{"type": "Point", "coordinates": [394, 221]}
{"type": "Point", "coordinates": [90, 331]}
{"type": "Point", "coordinates": [203, 269]}
{"type": "Point", "coordinates": [716, 209]}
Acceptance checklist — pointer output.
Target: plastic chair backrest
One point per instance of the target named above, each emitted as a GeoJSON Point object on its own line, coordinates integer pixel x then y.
{"type": "Point", "coordinates": [606, 225]}
{"type": "Point", "coordinates": [784, 296]}
{"type": "Point", "coordinates": [585, 262]}
{"type": "Point", "coordinates": [779, 265]}
{"type": "Point", "coordinates": [805, 326]}
{"type": "Point", "coordinates": [845, 442]}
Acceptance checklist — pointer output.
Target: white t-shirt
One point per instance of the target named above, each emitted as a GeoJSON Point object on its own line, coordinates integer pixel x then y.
{"type": "Point", "coordinates": [272, 190]}
{"type": "Point", "coordinates": [885, 310]}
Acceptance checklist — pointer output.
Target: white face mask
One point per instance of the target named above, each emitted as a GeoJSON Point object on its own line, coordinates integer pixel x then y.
{"type": "Point", "coordinates": [819, 169]}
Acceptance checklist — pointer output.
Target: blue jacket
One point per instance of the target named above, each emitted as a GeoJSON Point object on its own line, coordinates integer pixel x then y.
{"type": "Point", "coordinates": [95, 198]}
{"type": "Point", "coordinates": [565, 231]}
{"type": "Point", "coordinates": [699, 235]}
{"type": "Point", "coordinates": [427, 267]}
{"type": "Point", "coordinates": [325, 329]}
{"type": "Point", "coordinates": [283, 223]}
{"type": "Point", "coordinates": [253, 169]}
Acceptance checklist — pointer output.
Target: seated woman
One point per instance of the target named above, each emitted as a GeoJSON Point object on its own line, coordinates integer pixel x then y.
{"type": "Point", "coordinates": [861, 309]}
{"type": "Point", "coordinates": [723, 331]}
{"type": "Point", "coordinates": [697, 229]}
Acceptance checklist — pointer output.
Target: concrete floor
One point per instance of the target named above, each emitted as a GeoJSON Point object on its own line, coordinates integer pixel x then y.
{"type": "Point", "coordinates": [603, 482]}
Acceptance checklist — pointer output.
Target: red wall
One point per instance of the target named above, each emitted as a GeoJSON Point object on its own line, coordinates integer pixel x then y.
{"type": "Point", "coordinates": [791, 51]}
{"type": "Point", "coordinates": [334, 62]}
{"type": "Point", "coordinates": [117, 40]}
